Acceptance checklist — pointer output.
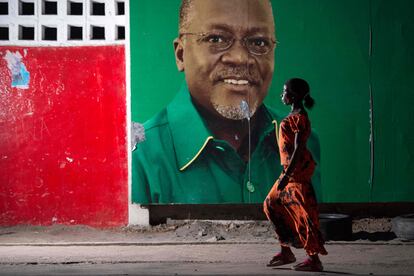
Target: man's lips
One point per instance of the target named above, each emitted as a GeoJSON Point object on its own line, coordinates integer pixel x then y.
{"type": "Point", "coordinates": [237, 85]}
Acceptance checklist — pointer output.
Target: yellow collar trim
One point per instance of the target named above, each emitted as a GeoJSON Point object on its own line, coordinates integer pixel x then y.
{"type": "Point", "coordinates": [198, 153]}
{"type": "Point", "coordinates": [276, 132]}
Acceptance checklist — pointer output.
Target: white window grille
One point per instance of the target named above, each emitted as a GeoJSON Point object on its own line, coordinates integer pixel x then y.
{"type": "Point", "coordinates": [62, 22]}
{"type": "Point", "coordinates": [26, 32]}
{"type": "Point", "coordinates": [27, 7]}
{"type": "Point", "coordinates": [75, 7]}
{"type": "Point", "coordinates": [4, 8]}
{"type": "Point", "coordinates": [97, 7]}
{"type": "Point", "coordinates": [49, 33]}
{"type": "Point", "coordinates": [120, 8]}
{"type": "Point", "coordinates": [4, 33]}
{"type": "Point", "coordinates": [49, 7]}
{"type": "Point", "coordinates": [75, 32]}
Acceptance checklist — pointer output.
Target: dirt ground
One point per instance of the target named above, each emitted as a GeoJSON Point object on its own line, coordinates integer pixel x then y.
{"type": "Point", "coordinates": [374, 229]}
{"type": "Point", "coordinates": [372, 225]}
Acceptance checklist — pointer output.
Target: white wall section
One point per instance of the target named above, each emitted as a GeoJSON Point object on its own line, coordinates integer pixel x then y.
{"type": "Point", "coordinates": [62, 22]}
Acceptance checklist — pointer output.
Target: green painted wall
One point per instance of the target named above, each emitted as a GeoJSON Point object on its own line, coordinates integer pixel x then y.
{"type": "Point", "coordinates": [342, 48]}
{"type": "Point", "coordinates": [393, 86]}
{"type": "Point", "coordinates": [154, 26]}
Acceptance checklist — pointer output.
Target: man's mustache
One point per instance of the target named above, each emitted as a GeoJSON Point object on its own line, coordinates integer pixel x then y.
{"type": "Point", "coordinates": [237, 72]}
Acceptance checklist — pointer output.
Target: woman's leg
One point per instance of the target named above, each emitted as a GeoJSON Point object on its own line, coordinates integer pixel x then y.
{"type": "Point", "coordinates": [278, 215]}
{"type": "Point", "coordinates": [285, 250]}
{"type": "Point", "coordinates": [275, 213]}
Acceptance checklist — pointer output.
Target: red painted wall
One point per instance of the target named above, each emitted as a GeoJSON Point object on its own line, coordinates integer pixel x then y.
{"type": "Point", "coordinates": [63, 145]}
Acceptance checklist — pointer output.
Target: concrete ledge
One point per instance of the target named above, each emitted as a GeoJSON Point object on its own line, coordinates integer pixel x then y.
{"type": "Point", "coordinates": [159, 213]}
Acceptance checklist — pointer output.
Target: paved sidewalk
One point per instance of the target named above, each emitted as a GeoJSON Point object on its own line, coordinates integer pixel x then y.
{"type": "Point", "coordinates": [61, 250]}
{"type": "Point", "coordinates": [198, 259]}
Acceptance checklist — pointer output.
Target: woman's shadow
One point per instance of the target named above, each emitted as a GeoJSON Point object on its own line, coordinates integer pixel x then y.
{"type": "Point", "coordinates": [373, 236]}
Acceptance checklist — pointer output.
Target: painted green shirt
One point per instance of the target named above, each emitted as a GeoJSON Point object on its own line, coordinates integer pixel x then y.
{"type": "Point", "coordinates": [181, 162]}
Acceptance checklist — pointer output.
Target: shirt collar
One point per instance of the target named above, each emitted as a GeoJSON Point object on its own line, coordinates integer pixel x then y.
{"type": "Point", "coordinates": [189, 133]}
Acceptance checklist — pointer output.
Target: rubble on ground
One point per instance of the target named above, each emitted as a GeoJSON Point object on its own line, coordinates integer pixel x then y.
{"type": "Point", "coordinates": [372, 229]}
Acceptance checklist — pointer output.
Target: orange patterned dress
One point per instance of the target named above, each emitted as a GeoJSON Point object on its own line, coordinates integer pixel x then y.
{"type": "Point", "coordinates": [294, 210]}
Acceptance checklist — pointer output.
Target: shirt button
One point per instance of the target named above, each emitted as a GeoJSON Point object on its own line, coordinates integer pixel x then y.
{"type": "Point", "coordinates": [250, 186]}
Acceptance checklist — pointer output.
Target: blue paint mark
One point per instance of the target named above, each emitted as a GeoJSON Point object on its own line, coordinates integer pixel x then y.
{"type": "Point", "coordinates": [19, 73]}
{"type": "Point", "coordinates": [22, 79]}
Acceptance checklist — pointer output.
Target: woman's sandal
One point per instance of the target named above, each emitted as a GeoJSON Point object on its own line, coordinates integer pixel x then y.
{"type": "Point", "coordinates": [281, 259]}
{"type": "Point", "coordinates": [309, 265]}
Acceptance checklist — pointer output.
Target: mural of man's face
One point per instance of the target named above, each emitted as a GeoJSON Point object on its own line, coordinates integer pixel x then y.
{"type": "Point", "coordinates": [222, 52]}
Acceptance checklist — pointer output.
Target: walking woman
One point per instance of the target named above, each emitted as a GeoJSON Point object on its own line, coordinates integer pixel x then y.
{"type": "Point", "coordinates": [291, 203]}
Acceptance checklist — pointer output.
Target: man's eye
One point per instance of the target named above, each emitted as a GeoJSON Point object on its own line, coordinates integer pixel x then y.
{"type": "Point", "coordinates": [213, 38]}
{"type": "Point", "coordinates": [259, 42]}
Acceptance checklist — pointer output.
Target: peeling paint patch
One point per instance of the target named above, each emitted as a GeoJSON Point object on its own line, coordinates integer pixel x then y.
{"type": "Point", "coordinates": [20, 75]}
{"type": "Point", "coordinates": [138, 134]}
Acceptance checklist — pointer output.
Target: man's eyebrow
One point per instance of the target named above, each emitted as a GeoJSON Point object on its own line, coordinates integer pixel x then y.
{"type": "Point", "coordinates": [224, 27]}
{"type": "Point", "coordinates": [230, 28]}
{"type": "Point", "coordinates": [259, 30]}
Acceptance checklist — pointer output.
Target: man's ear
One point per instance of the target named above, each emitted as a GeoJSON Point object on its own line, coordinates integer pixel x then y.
{"type": "Point", "coordinates": [179, 54]}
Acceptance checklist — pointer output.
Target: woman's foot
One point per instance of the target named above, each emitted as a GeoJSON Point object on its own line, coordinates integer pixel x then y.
{"type": "Point", "coordinates": [282, 259]}
{"type": "Point", "coordinates": [310, 264]}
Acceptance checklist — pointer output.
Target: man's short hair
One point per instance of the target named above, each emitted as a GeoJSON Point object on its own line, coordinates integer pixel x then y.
{"type": "Point", "coordinates": [184, 19]}
{"type": "Point", "coordinates": [184, 14]}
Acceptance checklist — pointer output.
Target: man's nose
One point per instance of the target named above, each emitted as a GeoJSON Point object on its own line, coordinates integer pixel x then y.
{"type": "Point", "coordinates": [237, 54]}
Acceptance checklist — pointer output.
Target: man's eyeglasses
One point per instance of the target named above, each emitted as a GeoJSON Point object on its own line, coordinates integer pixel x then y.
{"type": "Point", "coordinates": [220, 42]}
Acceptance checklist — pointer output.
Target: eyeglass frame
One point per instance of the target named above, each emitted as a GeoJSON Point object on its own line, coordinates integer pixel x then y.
{"type": "Point", "coordinates": [233, 39]}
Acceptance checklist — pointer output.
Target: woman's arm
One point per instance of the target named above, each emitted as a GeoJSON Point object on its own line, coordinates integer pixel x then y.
{"type": "Point", "coordinates": [297, 152]}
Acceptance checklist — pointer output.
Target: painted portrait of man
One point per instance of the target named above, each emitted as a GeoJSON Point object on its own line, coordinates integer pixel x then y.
{"type": "Point", "coordinates": [216, 141]}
